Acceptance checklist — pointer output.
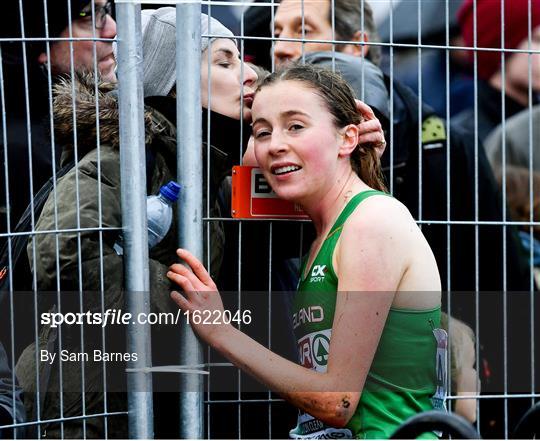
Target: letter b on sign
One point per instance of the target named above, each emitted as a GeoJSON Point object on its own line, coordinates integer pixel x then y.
{"type": "Point", "coordinates": [261, 186]}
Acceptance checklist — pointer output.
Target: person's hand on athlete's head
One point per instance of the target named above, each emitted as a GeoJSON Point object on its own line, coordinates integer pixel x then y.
{"type": "Point", "coordinates": [370, 128]}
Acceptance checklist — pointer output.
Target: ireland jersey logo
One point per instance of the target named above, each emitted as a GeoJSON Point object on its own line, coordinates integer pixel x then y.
{"type": "Point", "coordinates": [321, 347]}
{"type": "Point", "coordinates": [314, 348]}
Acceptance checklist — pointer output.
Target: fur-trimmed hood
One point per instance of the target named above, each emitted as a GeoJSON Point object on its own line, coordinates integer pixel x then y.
{"type": "Point", "coordinates": [80, 94]}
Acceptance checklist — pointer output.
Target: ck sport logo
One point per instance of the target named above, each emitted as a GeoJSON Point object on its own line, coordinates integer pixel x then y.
{"type": "Point", "coordinates": [318, 273]}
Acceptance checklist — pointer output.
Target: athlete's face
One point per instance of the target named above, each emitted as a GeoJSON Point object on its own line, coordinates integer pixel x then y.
{"type": "Point", "coordinates": [296, 142]}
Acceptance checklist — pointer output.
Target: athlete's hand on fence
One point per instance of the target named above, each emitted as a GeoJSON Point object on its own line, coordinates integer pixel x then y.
{"type": "Point", "coordinates": [370, 128]}
{"type": "Point", "coordinates": [199, 294]}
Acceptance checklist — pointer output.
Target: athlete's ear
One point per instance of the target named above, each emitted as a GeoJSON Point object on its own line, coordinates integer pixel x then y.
{"type": "Point", "coordinates": [349, 138]}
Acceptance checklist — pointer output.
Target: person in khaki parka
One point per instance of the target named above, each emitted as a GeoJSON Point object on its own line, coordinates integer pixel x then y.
{"type": "Point", "coordinates": [85, 259]}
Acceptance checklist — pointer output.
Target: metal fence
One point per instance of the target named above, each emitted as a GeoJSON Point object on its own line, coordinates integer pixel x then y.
{"type": "Point", "coordinates": [225, 403]}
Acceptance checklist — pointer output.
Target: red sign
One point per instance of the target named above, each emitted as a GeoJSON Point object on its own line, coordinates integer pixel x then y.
{"type": "Point", "coordinates": [252, 197]}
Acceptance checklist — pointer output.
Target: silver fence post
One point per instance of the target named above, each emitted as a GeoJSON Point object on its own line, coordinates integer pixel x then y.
{"type": "Point", "coordinates": [190, 205]}
{"type": "Point", "coordinates": [135, 235]}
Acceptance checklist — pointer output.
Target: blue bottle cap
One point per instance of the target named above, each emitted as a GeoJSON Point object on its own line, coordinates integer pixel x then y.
{"type": "Point", "coordinates": [170, 191]}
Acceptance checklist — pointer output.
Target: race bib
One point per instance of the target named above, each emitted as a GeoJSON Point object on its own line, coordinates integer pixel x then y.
{"type": "Point", "coordinates": [441, 368]}
{"type": "Point", "coordinates": [309, 427]}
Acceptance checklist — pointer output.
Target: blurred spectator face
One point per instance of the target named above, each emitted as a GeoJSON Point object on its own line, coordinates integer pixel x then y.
{"type": "Point", "coordinates": [317, 26]}
{"type": "Point", "coordinates": [517, 66]}
{"type": "Point", "coordinates": [227, 80]}
{"type": "Point", "coordinates": [518, 199]}
{"type": "Point", "coordinates": [83, 51]}
{"type": "Point", "coordinates": [288, 24]}
{"type": "Point", "coordinates": [481, 24]}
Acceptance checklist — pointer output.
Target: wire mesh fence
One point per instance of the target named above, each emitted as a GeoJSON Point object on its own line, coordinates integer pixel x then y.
{"type": "Point", "coordinates": [460, 155]}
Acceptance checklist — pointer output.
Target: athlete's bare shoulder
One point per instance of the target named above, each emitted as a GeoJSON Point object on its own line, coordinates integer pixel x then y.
{"type": "Point", "coordinates": [380, 214]}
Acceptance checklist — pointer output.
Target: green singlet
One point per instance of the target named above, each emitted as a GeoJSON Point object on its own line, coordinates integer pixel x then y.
{"type": "Point", "coordinates": [402, 377]}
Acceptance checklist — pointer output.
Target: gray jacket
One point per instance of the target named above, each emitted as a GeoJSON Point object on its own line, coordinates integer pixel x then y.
{"type": "Point", "coordinates": [366, 79]}
{"type": "Point", "coordinates": [517, 141]}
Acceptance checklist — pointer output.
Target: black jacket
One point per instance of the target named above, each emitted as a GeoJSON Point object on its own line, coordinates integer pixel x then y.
{"type": "Point", "coordinates": [11, 404]}
{"type": "Point", "coordinates": [27, 132]}
{"type": "Point", "coordinates": [489, 111]}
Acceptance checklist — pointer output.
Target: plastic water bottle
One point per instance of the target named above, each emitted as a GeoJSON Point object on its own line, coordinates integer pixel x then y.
{"type": "Point", "coordinates": [159, 212]}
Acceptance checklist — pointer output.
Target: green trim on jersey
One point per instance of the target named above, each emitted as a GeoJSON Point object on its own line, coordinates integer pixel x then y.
{"type": "Point", "coordinates": [401, 380]}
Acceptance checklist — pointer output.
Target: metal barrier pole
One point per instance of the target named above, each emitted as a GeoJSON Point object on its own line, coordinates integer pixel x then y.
{"type": "Point", "coordinates": [190, 205]}
{"type": "Point", "coordinates": [133, 178]}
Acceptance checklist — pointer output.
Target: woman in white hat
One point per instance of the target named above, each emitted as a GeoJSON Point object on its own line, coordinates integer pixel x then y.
{"type": "Point", "coordinates": [227, 83]}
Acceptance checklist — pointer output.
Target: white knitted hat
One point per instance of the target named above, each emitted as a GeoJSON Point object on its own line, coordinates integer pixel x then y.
{"type": "Point", "coordinates": [159, 47]}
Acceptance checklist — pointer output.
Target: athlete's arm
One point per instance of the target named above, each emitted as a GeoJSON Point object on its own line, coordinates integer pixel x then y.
{"type": "Point", "coordinates": [304, 388]}
{"type": "Point", "coordinates": [332, 396]}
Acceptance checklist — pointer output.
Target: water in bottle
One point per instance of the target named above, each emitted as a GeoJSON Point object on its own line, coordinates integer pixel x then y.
{"type": "Point", "coordinates": [159, 213]}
